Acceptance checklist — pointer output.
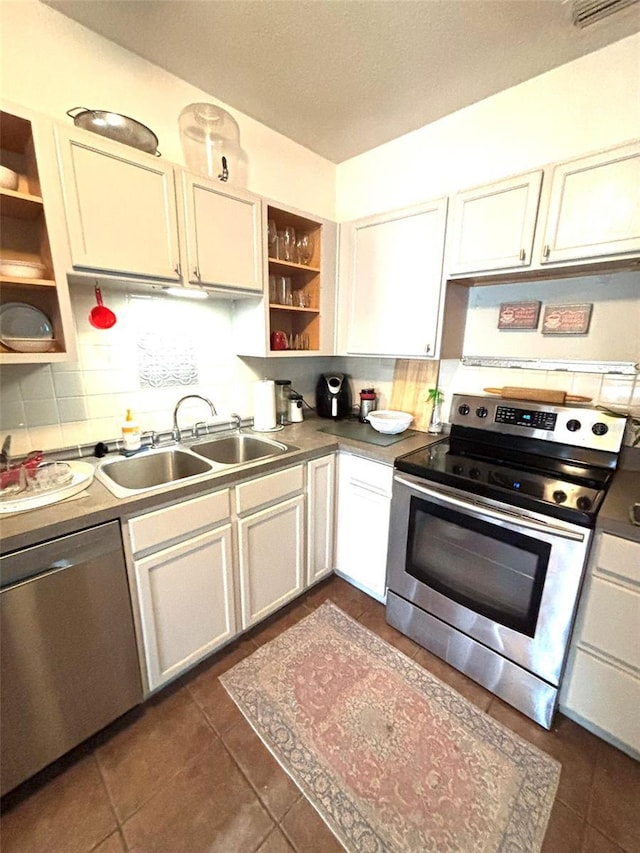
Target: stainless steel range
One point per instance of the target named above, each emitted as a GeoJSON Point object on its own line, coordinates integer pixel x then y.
{"type": "Point", "coordinates": [490, 532]}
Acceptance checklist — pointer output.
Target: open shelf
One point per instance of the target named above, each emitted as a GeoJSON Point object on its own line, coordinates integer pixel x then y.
{"type": "Point", "coordinates": [293, 320]}
{"type": "Point", "coordinates": [24, 236]}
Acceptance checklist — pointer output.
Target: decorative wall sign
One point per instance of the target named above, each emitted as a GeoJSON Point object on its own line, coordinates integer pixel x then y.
{"type": "Point", "coordinates": [518, 315]}
{"type": "Point", "coordinates": [166, 360]}
{"type": "Point", "coordinates": [567, 319]}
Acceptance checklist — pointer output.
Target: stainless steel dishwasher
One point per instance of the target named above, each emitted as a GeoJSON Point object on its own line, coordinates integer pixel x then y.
{"type": "Point", "coordinates": [68, 658]}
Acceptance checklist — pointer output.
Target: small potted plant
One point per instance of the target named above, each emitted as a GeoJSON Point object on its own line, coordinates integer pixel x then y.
{"type": "Point", "coordinates": [435, 397]}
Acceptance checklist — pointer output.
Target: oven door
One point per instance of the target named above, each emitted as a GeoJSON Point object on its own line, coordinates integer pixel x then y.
{"type": "Point", "coordinates": [506, 577]}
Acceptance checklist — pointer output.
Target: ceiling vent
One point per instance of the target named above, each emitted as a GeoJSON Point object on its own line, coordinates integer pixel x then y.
{"type": "Point", "coordinates": [587, 12]}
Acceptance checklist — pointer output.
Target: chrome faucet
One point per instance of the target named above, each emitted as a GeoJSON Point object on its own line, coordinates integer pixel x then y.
{"type": "Point", "coordinates": [236, 420]}
{"type": "Point", "coordinates": [176, 428]}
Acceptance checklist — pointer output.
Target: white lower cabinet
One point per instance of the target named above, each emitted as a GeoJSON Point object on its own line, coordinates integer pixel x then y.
{"type": "Point", "coordinates": [601, 689]}
{"type": "Point", "coordinates": [271, 553]}
{"type": "Point", "coordinates": [364, 504]}
{"type": "Point", "coordinates": [183, 567]}
{"type": "Point", "coordinates": [321, 497]}
{"type": "Point", "coordinates": [207, 568]}
{"type": "Point", "coordinates": [186, 601]}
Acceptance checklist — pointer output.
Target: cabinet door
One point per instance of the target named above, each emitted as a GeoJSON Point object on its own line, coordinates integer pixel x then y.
{"type": "Point", "coordinates": [364, 503]}
{"type": "Point", "coordinates": [320, 517]}
{"type": "Point", "coordinates": [120, 207]}
{"type": "Point", "coordinates": [601, 687]}
{"type": "Point", "coordinates": [224, 237]}
{"type": "Point", "coordinates": [395, 279]}
{"type": "Point", "coordinates": [186, 602]}
{"type": "Point", "coordinates": [593, 208]}
{"type": "Point", "coordinates": [492, 227]}
{"type": "Point", "coordinates": [271, 558]}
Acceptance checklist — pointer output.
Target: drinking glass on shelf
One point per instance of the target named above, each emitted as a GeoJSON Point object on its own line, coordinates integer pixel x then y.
{"type": "Point", "coordinates": [300, 300]}
{"type": "Point", "coordinates": [304, 244]}
{"type": "Point", "coordinates": [272, 238]}
{"type": "Point", "coordinates": [284, 294]}
{"type": "Point", "coordinates": [273, 292]}
{"type": "Point", "coordinates": [289, 245]}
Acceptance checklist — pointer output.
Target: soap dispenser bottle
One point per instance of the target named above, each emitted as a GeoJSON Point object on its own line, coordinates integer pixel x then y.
{"type": "Point", "coordinates": [131, 440]}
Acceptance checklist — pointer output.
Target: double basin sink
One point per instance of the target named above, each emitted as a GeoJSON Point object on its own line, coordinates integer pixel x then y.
{"type": "Point", "coordinates": [154, 468]}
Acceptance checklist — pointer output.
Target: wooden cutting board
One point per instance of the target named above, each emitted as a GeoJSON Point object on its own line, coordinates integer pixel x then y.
{"type": "Point", "coordinates": [410, 390]}
{"type": "Point", "coordinates": [539, 395]}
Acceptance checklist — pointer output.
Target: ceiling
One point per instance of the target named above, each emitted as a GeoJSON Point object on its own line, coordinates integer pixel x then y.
{"type": "Point", "coordinates": [343, 76]}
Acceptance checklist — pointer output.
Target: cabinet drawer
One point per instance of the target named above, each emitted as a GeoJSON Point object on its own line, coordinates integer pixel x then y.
{"type": "Point", "coordinates": [273, 487]}
{"type": "Point", "coordinates": [606, 696]}
{"type": "Point", "coordinates": [366, 473]}
{"type": "Point", "coordinates": [163, 525]}
{"type": "Point", "coordinates": [619, 557]}
{"type": "Point", "coordinates": [612, 621]}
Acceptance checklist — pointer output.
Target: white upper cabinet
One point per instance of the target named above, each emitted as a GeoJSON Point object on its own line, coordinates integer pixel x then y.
{"type": "Point", "coordinates": [393, 280]}
{"type": "Point", "coordinates": [224, 237]}
{"type": "Point", "coordinates": [120, 206]}
{"type": "Point", "coordinates": [492, 227]}
{"type": "Point", "coordinates": [594, 207]}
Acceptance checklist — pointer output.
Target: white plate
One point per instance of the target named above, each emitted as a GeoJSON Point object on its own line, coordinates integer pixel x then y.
{"type": "Point", "coordinates": [27, 344]}
{"type": "Point", "coordinates": [19, 320]}
{"type": "Point", "coordinates": [8, 178]}
{"type": "Point", "coordinates": [22, 269]}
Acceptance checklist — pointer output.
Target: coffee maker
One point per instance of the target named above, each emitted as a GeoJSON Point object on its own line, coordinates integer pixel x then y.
{"type": "Point", "coordinates": [333, 395]}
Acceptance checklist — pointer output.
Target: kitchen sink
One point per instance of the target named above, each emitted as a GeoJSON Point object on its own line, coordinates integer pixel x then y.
{"type": "Point", "coordinates": [150, 469]}
{"type": "Point", "coordinates": [239, 448]}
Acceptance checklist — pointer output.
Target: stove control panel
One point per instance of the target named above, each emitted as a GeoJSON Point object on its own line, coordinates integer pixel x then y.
{"type": "Point", "coordinates": [525, 417]}
{"type": "Point", "coordinates": [582, 426]}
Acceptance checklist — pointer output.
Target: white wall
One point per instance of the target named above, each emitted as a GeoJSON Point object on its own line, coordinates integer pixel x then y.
{"type": "Point", "coordinates": [585, 105]}
{"type": "Point", "coordinates": [52, 64]}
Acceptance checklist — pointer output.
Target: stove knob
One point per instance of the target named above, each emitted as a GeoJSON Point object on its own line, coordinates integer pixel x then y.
{"type": "Point", "coordinates": [599, 428]}
{"type": "Point", "coordinates": [458, 469]}
{"type": "Point", "coordinates": [482, 411]}
{"type": "Point", "coordinates": [573, 425]}
{"type": "Point", "coordinates": [583, 503]}
{"type": "Point", "coordinates": [464, 409]}
{"type": "Point", "coordinates": [559, 496]}
{"type": "Point", "coordinates": [474, 473]}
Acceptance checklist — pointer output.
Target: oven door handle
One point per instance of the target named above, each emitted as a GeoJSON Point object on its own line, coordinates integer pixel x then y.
{"type": "Point", "coordinates": [482, 511]}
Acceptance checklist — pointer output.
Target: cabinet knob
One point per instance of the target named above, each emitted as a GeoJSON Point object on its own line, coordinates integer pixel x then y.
{"type": "Point", "coordinates": [178, 269]}
{"type": "Point", "coordinates": [196, 273]}
{"type": "Point", "coordinates": [523, 255]}
{"type": "Point", "coordinates": [427, 347]}
{"type": "Point", "coordinates": [546, 251]}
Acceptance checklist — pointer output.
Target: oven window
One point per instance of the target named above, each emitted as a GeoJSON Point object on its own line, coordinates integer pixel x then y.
{"type": "Point", "coordinates": [492, 571]}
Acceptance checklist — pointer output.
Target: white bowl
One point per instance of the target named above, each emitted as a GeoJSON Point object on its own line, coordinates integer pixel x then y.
{"type": "Point", "coordinates": [389, 421]}
{"type": "Point", "coordinates": [28, 344]}
{"type": "Point", "coordinates": [8, 178]}
{"type": "Point", "coordinates": [22, 269]}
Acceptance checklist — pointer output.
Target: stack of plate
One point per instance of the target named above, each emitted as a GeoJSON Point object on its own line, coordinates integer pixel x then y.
{"type": "Point", "coordinates": [24, 328]}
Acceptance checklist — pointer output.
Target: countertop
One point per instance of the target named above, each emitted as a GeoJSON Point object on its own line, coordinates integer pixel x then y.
{"type": "Point", "coordinates": [97, 505]}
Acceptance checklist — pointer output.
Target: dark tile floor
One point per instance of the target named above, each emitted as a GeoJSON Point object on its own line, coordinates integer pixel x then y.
{"type": "Point", "coordinates": [185, 773]}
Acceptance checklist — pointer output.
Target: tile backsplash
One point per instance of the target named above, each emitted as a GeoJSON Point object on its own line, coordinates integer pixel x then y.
{"type": "Point", "coordinates": [163, 347]}
{"type": "Point", "coordinates": [160, 349]}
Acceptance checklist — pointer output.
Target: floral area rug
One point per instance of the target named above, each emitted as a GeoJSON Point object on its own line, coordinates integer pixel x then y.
{"type": "Point", "coordinates": [391, 758]}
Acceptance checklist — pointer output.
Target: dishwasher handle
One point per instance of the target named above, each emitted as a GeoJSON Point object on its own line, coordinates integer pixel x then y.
{"type": "Point", "coordinates": [59, 554]}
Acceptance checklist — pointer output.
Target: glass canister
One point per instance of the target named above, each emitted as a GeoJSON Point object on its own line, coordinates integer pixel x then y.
{"type": "Point", "coordinates": [283, 390]}
{"type": "Point", "coordinates": [210, 139]}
